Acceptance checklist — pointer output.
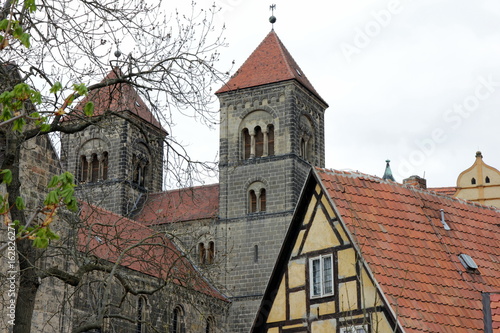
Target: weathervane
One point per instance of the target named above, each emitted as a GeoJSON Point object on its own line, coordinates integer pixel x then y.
{"type": "Point", "coordinates": [272, 19]}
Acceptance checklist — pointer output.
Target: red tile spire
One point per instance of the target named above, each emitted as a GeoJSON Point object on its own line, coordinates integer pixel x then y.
{"type": "Point", "coordinates": [269, 63]}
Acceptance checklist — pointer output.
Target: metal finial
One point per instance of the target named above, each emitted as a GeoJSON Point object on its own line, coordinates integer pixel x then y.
{"type": "Point", "coordinates": [272, 19]}
{"type": "Point", "coordinates": [118, 53]}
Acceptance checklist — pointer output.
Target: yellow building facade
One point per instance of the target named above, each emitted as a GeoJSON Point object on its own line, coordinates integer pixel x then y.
{"type": "Point", "coordinates": [479, 183]}
{"type": "Point", "coordinates": [325, 287]}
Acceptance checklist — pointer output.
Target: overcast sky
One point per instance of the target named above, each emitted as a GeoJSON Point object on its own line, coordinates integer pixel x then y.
{"type": "Point", "coordinates": [416, 82]}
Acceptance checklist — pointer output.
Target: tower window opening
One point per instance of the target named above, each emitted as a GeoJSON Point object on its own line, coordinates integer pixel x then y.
{"type": "Point", "coordinates": [105, 165]}
{"type": "Point", "coordinates": [487, 180]}
{"type": "Point", "coordinates": [201, 253]}
{"type": "Point", "coordinates": [211, 253]}
{"type": "Point", "coordinates": [270, 140]}
{"type": "Point", "coordinates": [259, 142]}
{"type": "Point", "coordinates": [256, 253]}
{"type": "Point", "coordinates": [84, 165]}
{"type": "Point", "coordinates": [247, 142]}
{"type": "Point", "coordinates": [253, 202]}
{"type": "Point", "coordinates": [473, 181]}
{"type": "Point", "coordinates": [95, 168]}
{"type": "Point", "coordinates": [262, 200]}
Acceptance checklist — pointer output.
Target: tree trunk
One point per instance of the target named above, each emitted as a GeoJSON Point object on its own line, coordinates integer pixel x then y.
{"type": "Point", "coordinates": [27, 254]}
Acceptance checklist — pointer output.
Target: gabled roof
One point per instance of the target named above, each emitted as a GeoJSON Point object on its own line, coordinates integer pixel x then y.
{"type": "Point", "coordinates": [117, 98]}
{"type": "Point", "coordinates": [188, 204]}
{"type": "Point", "coordinates": [413, 258]}
{"type": "Point", "coordinates": [117, 239]}
{"type": "Point", "coordinates": [269, 63]}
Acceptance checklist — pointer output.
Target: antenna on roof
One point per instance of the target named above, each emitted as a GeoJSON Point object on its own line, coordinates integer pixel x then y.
{"type": "Point", "coordinates": [272, 19]}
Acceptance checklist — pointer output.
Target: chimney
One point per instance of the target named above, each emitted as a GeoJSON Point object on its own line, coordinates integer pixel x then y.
{"type": "Point", "coordinates": [416, 181]}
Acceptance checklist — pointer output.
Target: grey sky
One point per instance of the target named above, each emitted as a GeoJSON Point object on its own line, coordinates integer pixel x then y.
{"type": "Point", "coordinates": [416, 82]}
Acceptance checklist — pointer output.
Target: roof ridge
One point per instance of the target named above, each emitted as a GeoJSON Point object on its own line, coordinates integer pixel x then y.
{"type": "Point", "coordinates": [358, 174]}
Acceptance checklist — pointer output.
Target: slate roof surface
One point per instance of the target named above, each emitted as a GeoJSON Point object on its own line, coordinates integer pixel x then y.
{"type": "Point", "coordinates": [117, 97]}
{"type": "Point", "coordinates": [188, 204]}
{"type": "Point", "coordinates": [412, 257]}
{"type": "Point", "coordinates": [269, 63]}
{"type": "Point", "coordinates": [117, 239]}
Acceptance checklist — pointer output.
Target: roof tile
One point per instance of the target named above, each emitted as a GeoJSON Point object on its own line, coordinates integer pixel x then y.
{"type": "Point", "coordinates": [413, 258]}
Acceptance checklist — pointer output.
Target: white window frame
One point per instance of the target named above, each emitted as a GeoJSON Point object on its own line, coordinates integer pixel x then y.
{"type": "Point", "coordinates": [354, 329]}
{"type": "Point", "coordinates": [321, 259]}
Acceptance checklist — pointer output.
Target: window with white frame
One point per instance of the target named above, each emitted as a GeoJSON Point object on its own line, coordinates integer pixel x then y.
{"type": "Point", "coordinates": [321, 275]}
{"type": "Point", "coordinates": [354, 329]}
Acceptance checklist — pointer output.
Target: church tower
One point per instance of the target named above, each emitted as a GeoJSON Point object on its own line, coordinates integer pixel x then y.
{"type": "Point", "coordinates": [271, 133]}
{"type": "Point", "coordinates": [118, 160]}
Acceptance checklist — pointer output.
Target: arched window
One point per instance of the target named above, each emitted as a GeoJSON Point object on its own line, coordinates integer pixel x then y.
{"type": "Point", "coordinates": [141, 315]}
{"type": "Point", "coordinates": [473, 181]}
{"type": "Point", "coordinates": [270, 140]}
{"type": "Point", "coordinates": [262, 200]}
{"type": "Point", "coordinates": [259, 142]}
{"type": "Point", "coordinates": [95, 168]}
{"type": "Point", "coordinates": [257, 197]}
{"type": "Point", "coordinates": [84, 169]}
{"type": "Point", "coordinates": [104, 165]}
{"type": "Point", "coordinates": [201, 253]}
{"type": "Point", "coordinates": [487, 180]}
{"type": "Point", "coordinates": [211, 252]}
{"type": "Point", "coordinates": [247, 144]}
{"type": "Point", "coordinates": [256, 253]}
{"type": "Point", "coordinates": [253, 201]}
{"type": "Point", "coordinates": [177, 320]}
{"type": "Point", "coordinates": [210, 326]}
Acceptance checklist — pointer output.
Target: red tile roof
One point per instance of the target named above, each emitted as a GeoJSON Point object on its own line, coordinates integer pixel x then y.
{"type": "Point", "coordinates": [444, 190]}
{"type": "Point", "coordinates": [117, 97]}
{"type": "Point", "coordinates": [269, 63]}
{"type": "Point", "coordinates": [117, 239]}
{"type": "Point", "coordinates": [412, 257]}
{"type": "Point", "coordinates": [188, 204]}
{"type": "Point", "coordinates": [495, 311]}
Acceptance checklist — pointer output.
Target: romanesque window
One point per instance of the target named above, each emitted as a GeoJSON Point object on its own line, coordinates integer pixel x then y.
{"type": "Point", "coordinates": [246, 144]}
{"type": "Point", "coordinates": [141, 315]}
{"type": "Point", "coordinates": [306, 138]}
{"type": "Point", "coordinates": [210, 325]}
{"type": "Point", "coordinates": [211, 252]}
{"type": "Point", "coordinates": [262, 199]}
{"type": "Point", "coordinates": [206, 253]}
{"type": "Point", "coordinates": [257, 199]}
{"type": "Point", "coordinates": [270, 140]}
{"type": "Point", "coordinates": [93, 167]}
{"type": "Point", "coordinates": [321, 276]}
{"type": "Point", "coordinates": [201, 253]}
{"type": "Point", "coordinates": [141, 164]}
{"type": "Point", "coordinates": [177, 324]}
{"type": "Point", "coordinates": [93, 162]}
{"type": "Point", "coordinates": [258, 142]}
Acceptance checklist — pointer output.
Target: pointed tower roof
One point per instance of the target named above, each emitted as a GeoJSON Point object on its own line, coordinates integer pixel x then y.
{"type": "Point", "coordinates": [118, 97]}
{"type": "Point", "coordinates": [269, 63]}
{"type": "Point", "coordinates": [388, 172]}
